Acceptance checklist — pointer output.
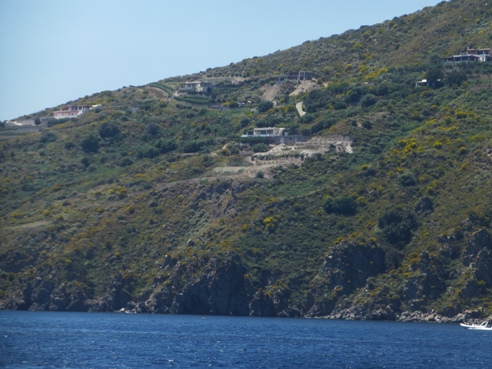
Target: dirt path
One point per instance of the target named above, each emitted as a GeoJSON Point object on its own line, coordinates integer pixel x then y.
{"type": "Point", "coordinates": [299, 109]}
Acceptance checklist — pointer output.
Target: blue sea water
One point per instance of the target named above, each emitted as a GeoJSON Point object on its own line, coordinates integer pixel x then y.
{"type": "Point", "coordinates": [95, 340]}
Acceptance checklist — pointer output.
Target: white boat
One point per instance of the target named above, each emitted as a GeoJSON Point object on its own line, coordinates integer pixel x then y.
{"type": "Point", "coordinates": [480, 327]}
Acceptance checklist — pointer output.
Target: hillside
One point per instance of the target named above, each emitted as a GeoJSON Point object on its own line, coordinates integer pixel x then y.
{"type": "Point", "coordinates": [153, 202]}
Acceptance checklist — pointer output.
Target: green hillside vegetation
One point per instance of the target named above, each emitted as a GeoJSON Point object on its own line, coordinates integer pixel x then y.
{"type": "Point", "coordinates": [151, 202]}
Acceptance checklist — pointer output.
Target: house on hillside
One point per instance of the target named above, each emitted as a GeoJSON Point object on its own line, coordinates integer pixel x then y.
{"type": "Point", "coordinates": [470, 56]}
{"type": "Point", "coordinates": [197, 87]}
{"type": "Point", "coordinates": [483, 53]}
{"type": "Point", "coordinates": [300, 76]}
{"type": "Point", "coordinates": [265, 132]}
{"type": "Point", "coordinates": [71, 111]}
{"type": "Point", "coordinates": [275, 135]}
{"type": "Point", "coordinates": [425, 83]}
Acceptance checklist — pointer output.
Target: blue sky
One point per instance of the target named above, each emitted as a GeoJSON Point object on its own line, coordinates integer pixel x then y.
{"type": "Point", "coordinates": [54, 51]}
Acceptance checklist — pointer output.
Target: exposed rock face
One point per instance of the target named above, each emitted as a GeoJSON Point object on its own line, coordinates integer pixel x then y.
{"type": "Point", "coordinates": [351, 284]}
{"type": "Point", "coordinates": [480, 241]}
{"type": "Point", "coordinates": [220, 288]}
{"type": "Point", "coordinates": [43, 295]}
{"type": "Point", "coordinates": [263, 305]}
{"type": "Point", "coordinates": [272, 303]}
{"type": "Point", "coordinates": [117, 297]}
{"type": "Point", "coordinates": [345, 269]}
{"type": "Point", "coordinates": [349, 266]}
{"type": "Point", "coordinates": [426, 284]}
{"type": "Point", "coordinates": [477, 257]}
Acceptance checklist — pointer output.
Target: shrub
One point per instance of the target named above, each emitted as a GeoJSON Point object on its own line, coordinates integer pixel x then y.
{"type": "Point", "coordinates": [69, 145]}
{"type": "Point", "coordinates": [191, 147]}
{"type": "Point", "coordinates": [264, 106]}
{"type": "Point", "coordinates": [196, 146]}
{"type": "Point", "coordinates": [48, 137]}
{"type": "Point", "coordinates": [166, 146]}
{"type": "Point", "coordinates": [354, 95]}
{"type": "Point", "coordinates": [147, 151]}
{"type": "Point", "coordinates": [339, 105]}
{"type": "Point", "coordinates": [368, 100]}
{"type": "Point", "coordinates": [382, 89]}
{"type": "Point", "coordinates": [108, 130]}
{"type": "Point", "coordinates": [344, 205]}
{"type": "Point", "coordinates": [126, 162]}
{"type": "Point", "coordinates": [85, 161]}
{"type": "Point", "coordinates": [153, 129]}
{"type": "Point", "coordinates": [323, 124]}
{"type": "Point", "coordinates": [260, 147]}
{"type": "Point", "coordinates": [406, 179]}
{"type": "Point", "coordinates": [456, 78]}
{"type": "Point", "coordinates": [262, 123]}
{"type": "Point", "coordinates": [398, 225]}
{"type": "Point", "coordinates": [244, 122]}
{"type": "Point", "coordinates": [90, 143]}
{"type": "Point", "coordinates": [308, 118]}
{"type": "Point", "coordinates": [434, 76]}
{"type": "Point", "coordinates": [54, 122]}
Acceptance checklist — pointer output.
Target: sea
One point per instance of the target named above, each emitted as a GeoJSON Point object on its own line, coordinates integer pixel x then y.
{"type": "Point", "coordinates": [111, 340]}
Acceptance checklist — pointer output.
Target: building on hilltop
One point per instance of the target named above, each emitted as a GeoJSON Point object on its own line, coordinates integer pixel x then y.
{"type": "Point", "coordinates": [71, 111]}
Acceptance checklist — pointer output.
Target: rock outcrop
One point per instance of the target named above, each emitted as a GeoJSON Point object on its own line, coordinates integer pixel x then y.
{"type": "Point", "coordinates": [344, 270]}
{"type": "Point", "coordinates": [220, 288]}
{"type": "Point", "coordinates": [351, 284]}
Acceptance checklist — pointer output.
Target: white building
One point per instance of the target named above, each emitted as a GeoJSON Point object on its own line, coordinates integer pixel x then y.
{"type": "Point", "coordinates": [71, 111]}
{"type": "Point", "coordinates": [265, 132]}
{"type": "Point", "coordinates": [197, 86]}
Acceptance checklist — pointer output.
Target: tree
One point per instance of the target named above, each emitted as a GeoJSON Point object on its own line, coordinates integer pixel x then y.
{"type": "Point", "coordinates": [90, 143]}
{"type": "Point", "coordinates": [398, 225]}
{"type": "Point", "coordinates": [368, 100]}
{"type": "Point", "coordinates": [456, 78]}
{"type": "Point", "coordinates": [47, 137]}
{"type": "Point", "coordinates": [166, 146]}
{"type": "Point", "coordinates": [344, 205]}
{"type": "Point", "coordinates": [264, 106]}
{"type": "Point", "coordinates": [37, 121]}
{"type": "Point", "coordinates": [153, 129]}
{"type": "Point", "coordinates": [260, 147]}
{"type": "Point", "coordinates": [147, 151]}
{"type": "Point", "coordinates": [85, 161]}
{"type": "Point", "coordinates": [435, 76]}
{"type": "Point", "coordinates": [406, 179]}
{"type": "Point", "coordinates": [108, 130]}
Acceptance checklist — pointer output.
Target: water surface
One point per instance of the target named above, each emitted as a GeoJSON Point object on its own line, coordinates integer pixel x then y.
{"type": "Point", "coordinates": [95, 340]}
